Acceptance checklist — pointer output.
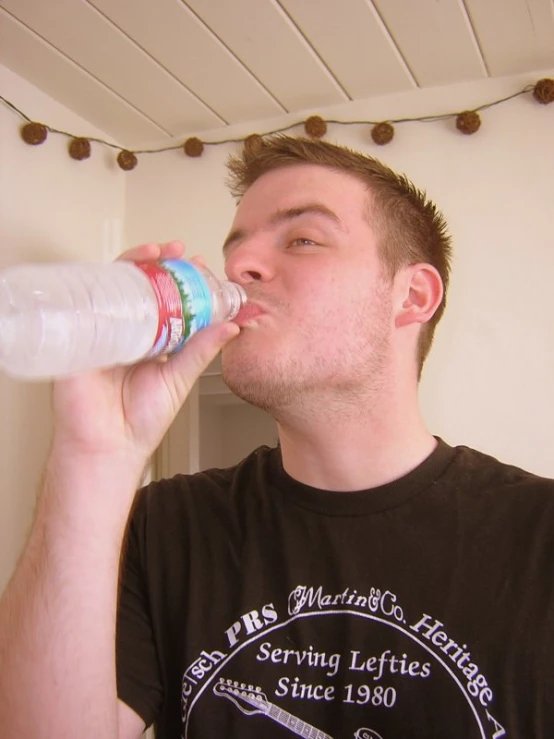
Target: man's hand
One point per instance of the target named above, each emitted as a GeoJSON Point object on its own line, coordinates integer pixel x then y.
{"type": "Point", "coordinates": [127, 410]}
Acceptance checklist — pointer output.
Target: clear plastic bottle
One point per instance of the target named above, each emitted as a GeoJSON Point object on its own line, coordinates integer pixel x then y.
{"type": "Point", "coordinates": [59, 319]}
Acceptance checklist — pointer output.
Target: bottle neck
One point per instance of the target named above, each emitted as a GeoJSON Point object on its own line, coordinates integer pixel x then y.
{"type": "Point", "coordinates": [236, 297]}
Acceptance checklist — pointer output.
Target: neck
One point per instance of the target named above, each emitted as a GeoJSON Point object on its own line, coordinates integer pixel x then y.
{"type": "Point", "coordinates": [360, 446]}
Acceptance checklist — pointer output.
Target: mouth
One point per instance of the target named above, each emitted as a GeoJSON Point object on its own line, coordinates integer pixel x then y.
{"type": "Point", "coordinates": [248, 315]}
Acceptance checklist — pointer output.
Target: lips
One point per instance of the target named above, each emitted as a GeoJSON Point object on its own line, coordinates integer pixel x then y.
{"type": "Point", "coordinates": [249, 312]}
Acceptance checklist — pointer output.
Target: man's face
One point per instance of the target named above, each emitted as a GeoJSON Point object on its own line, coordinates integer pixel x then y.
{"type": "Point", "coordinates": [319, 313]}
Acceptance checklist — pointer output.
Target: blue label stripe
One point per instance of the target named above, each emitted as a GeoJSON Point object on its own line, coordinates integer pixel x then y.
{"type": "Point", "coordinates": [197, 297]}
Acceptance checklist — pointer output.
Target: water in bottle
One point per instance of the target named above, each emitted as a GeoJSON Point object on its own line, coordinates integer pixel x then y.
{"type": "Point", "coordinates": [59, 319]}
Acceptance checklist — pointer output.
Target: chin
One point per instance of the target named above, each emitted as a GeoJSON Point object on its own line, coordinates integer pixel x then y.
{"type": "Point", "coordinates": [248, 354]}
{"type": "Point", "coordinates": [260, 383]}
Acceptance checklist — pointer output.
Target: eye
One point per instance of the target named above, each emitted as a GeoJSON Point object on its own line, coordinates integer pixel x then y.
{"type": "Point", "coordinates": [302, 242]}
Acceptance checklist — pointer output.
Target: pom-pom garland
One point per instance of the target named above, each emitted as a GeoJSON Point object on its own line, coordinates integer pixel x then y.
{"type": "Point", "coordinates": [467, 122]}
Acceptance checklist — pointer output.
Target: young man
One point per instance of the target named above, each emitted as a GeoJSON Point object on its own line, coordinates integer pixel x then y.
{"type": "Point", "coordinates": [363, 580]}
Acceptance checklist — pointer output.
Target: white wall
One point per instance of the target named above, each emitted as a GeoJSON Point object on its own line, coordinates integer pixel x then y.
{"type": "Point", "coordinates": [211, 422]}
{"type": "Point", "coordinates": [51, 207]}
{"type": "Point", "coordinates": [245, 428]}
{"type": "Point", "coordinates": [488, 382]}
{"type": "Point", "coordinates": [231, 430]}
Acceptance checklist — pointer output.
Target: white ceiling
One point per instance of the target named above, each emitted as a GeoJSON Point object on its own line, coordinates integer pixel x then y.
{"type": "Point", "coordinates": [145, 70]}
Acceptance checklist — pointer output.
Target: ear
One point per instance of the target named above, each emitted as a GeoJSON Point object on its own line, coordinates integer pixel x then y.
{"type": "Point", "coordinates": [419, 293]}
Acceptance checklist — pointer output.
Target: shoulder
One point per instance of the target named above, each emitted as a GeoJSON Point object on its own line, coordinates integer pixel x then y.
{"type": "Point", "coordinates": [489, 470]}
{"type": "Point", "coordinates": [174, 518]}
{"type": "Point", "coordinates": [489, 480]}
{"type": "Point", "coordinates": [211, 489]}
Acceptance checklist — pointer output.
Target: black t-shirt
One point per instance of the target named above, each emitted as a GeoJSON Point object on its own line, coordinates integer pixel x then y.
{"type": "Point", "coordinates": [253, 605]}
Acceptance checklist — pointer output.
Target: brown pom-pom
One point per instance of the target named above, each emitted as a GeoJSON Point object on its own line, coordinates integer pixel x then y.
{"type": "Point", "coordinates": [79, 149]}
{"type": "Point", "coordinates": [315, 127]}
{"type": "Point", "coordinates": [127, 160]}
{"type": "Point", "coordinates": [468, 122]}
{"type": "Point", "coordinates": [253, 143]}
{"type": "Point", "coordinates": [543, 92]}
{"type": "Point", "coordinates": [34, 133]}
{"type": "Point", "coordinates": [382, 133]}
{"type": "Point", "coordinates": [193, 147]}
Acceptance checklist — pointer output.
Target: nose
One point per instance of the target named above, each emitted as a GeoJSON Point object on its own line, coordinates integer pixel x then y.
{"type": "Point", "coordinates": [249, 262]}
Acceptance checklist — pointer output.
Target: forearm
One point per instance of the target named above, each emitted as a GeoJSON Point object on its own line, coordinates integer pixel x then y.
{"type": "Point", "coordinates": [57, 616]}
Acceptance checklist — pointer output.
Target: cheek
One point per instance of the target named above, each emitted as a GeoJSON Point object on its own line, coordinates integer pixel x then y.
{"type": "Point", "coordinates": [314, 287]}
{"type": "Point", "coordinates": [334, 299]}
{"type": "Point", "coordinates": [323, 315]}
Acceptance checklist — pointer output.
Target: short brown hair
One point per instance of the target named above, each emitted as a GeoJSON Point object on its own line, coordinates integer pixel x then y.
{"type": "Point", "coordinates": [409, 227]}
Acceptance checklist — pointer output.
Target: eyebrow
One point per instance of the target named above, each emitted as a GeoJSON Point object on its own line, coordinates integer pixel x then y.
{"type": "Point", "coordinates": [288, 214]}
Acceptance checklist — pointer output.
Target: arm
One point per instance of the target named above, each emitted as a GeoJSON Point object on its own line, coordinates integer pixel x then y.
{"type": "Point", "coordinates": [131, 726]}
{"type": "Point", "coordinates": [58, 614]}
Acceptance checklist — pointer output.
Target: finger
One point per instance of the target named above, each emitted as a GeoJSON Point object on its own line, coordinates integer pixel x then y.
{"type": "Point", "coordinates": [172, 250]}
{"type": "Point", "coordinates": [143, 252]}
{"type": "Point", "coordinates": [183, 369]}
{"type": "Point", "coordinates": [198, 260]}
{"type": "Point", "coordinates": [153, 252]}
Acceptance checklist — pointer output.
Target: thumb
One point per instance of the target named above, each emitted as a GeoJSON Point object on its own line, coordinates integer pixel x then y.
{"type": "Point", "coordinates": [183, 369]}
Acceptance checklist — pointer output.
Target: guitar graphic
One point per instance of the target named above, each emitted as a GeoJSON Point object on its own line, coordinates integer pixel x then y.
{"type": "Point", "coordinates": [250, 701]}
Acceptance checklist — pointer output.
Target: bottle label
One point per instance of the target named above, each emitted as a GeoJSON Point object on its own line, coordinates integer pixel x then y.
{"type": "Point", "coordinates": [184, 302]}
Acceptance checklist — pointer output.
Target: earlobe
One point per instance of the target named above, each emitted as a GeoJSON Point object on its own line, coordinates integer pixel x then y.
{"type": "Point", "coordinates": [421, 292]}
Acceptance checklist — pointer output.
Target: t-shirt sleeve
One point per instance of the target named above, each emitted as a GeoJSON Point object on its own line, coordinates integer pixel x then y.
{"type": "Point", "coordinates": [139, 683]}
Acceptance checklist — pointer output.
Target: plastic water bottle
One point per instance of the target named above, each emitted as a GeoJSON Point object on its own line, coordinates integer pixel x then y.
{"type": "Point", "coordinates": [59, 319]}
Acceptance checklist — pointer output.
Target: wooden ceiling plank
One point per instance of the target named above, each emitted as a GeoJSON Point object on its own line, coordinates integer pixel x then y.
{"type": "Point", "coordinates": [436, 39]}
{"type": "Point", "coordinates": [175, 36]}
{"type": "Point", "coordinates": [263, 37]}
{"type": "Point", "coordinates": [515, 35]}
{"type": "Point", "coordinates": [26, 54]}
{"type": "Point", "coordinates": [355, 44]}
{"type": "Point", "coordinates": [80, 32]}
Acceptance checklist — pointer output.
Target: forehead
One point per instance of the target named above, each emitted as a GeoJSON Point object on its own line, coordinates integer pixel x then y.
{"type": "Point", "coordinates": [289, 187]}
